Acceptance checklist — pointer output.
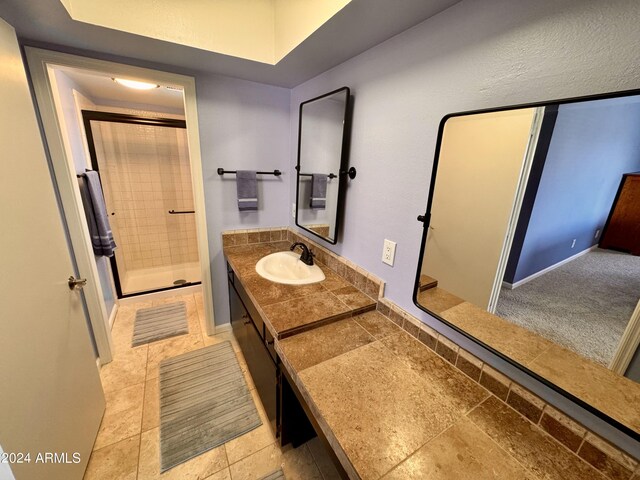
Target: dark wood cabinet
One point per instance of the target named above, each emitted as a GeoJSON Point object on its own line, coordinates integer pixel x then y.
{"type": "Point", "coordinates": [288, 413]}
{"type": "Point", "coordinates": [249, 333]}
{"type": "Point", "coordinates": [286, 416]}
{"type": "Point", "coordinates": [622, 230]}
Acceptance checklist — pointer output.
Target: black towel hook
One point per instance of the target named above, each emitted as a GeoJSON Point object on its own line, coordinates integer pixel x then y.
{"type": "Point", "coordinates": [351, 173]}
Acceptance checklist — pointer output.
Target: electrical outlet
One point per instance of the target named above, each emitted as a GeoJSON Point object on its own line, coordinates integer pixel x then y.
{"type": "Point", "coordinates": [388, 252]}
{"type": "Point", "coordinates": [597, 234]}
{"type": "Point", "coordinates": [573, 244]}
{"type": "Point", "coordinates": [293, 210]}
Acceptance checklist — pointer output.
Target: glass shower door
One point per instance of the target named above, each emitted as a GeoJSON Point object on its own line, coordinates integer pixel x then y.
{"type": "Point", "coordinates": [146, 178]}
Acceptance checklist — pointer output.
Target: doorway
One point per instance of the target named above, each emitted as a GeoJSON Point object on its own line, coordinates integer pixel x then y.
{"type": "Point", "coordinates": [145, 173]}
{"type": "Point", "coordinates": [563, 280]}
{"type": "Point", "coordinates": [43, 65]}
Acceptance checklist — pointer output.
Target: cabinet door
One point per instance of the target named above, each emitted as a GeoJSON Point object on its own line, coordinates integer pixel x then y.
{"type": "Point", "coordinates": [236, 310]}
{"type": "Point", "coordinates": [270, 343]}
{"type": "Point", "coordinates": [261, 367]}
{"type": "Point", "coordinates": [263, 373]}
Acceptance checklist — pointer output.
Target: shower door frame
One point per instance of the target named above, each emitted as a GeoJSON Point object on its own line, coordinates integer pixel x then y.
{"type": "Point", "coordinates": [100, 116]}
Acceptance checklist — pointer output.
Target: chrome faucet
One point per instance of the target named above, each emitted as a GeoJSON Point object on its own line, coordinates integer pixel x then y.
{"type": "Point", "coordinates": [306, 256]}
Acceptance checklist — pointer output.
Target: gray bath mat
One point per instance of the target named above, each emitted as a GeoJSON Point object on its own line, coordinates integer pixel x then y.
{"type": "Point", "coordinates": [204, 402]}
{"type": "Point", "coordinates": [277, 475]}
{"type": "Point", "coordinates": [157, 323]}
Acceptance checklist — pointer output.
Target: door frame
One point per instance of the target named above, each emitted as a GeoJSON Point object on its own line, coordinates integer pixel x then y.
{"type": "Point", "coordinates": [628, 345]}
{"type": "Point", "coordinates": [529, 155]}
{"type": "Point", "coordinates": [630, 340]}
{"type": "Point", "coordinates": [40, 63]}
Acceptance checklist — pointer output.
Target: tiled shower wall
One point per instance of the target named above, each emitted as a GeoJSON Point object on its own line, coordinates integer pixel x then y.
{"type": "Point", "coordinates": [145, 172]}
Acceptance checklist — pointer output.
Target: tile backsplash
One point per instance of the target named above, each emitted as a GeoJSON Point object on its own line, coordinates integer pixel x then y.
{"type": "Point", "coordinates": [358, 277]}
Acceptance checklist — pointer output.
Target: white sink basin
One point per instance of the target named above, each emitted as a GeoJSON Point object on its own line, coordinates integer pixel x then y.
{"type": "Point", "coordinates": [286, 267]}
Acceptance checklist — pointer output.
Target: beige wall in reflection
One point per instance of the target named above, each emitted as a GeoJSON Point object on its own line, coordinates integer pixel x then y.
{"type": "Point", "coordinates": [479, 167]}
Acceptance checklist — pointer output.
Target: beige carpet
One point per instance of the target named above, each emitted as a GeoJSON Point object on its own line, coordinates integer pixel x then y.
{"type": "Point", "coordinates": [584, 305]}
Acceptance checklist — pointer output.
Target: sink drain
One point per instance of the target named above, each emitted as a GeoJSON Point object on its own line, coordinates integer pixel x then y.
{"type": "Point", "coordinates": [180, 281]}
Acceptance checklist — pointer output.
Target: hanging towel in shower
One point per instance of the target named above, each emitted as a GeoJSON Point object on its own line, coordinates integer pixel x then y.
{"type": "Point", "coordinates": [247, 184]}
{"type": "Point", "coordinates": [96, 212]}
{"type": "Point", "coordinates": [318, 199]}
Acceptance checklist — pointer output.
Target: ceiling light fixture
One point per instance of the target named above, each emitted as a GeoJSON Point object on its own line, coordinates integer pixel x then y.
{"type": "Point", "coordinates": [136, 84]}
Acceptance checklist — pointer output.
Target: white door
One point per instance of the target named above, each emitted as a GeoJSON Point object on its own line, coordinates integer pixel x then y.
{"type": "Point", "coordinates": [51, 400]}
{"type": "Point", "coordinates": [480, 166]}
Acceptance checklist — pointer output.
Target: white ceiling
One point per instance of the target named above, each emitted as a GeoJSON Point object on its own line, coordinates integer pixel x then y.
{"type": "Point", "coordinates": [261, 30]}
{"type": "Point", "coordinates": [104, 91]}
{"type": "Point", "coordinates": [359, 26]}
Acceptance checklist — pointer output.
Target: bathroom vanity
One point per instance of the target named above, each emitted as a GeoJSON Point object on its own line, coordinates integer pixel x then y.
{"type": "Point", "coordinates": [263, 311]}
{"type": "Point", "coordinates": [286, 415]}
{"type": "Point", "coordinates": [389, 397]}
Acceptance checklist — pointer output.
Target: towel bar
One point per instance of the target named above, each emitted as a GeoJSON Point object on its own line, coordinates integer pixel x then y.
{"type": "Point", "coordinates": [330, 175]}
{"type": "Point", "coordinates": [351, 173]}
{"type": "Point", "coordinates": [277, 173]}
{"type": "Point", "coordinates": [178, 212]}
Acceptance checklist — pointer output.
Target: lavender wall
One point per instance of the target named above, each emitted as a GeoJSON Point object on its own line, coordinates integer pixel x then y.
{"type": "Point", "coordinates": [592, 145]}
{"type": "Point", "coordinates": [473, 55]}
{"type": "Point", "coordinates": [243, 126]}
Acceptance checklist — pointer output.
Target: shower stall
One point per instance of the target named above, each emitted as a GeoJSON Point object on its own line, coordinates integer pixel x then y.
{"type": "Point", "coordinates": [145, 171]}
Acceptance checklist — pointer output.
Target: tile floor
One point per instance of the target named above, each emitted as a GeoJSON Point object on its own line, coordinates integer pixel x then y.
{"type": "Point", "coordinates": [127, 445]}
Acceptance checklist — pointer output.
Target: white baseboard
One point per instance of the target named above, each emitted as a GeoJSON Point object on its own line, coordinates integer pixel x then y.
{"type": "Point", "coordinates": [225, 327]}
{"type": "Point", "coordinates": [112, 317]}
{"type": "Point", "coordinates": [511, 286]}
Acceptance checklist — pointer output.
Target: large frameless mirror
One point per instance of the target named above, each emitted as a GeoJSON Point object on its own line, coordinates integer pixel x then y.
{"type": "Point", "coordinates": [531, 244]}
{"type": "Point", "coordinates": [323, 138]}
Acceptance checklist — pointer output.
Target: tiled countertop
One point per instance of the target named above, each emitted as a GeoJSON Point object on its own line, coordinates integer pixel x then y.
{"type": "Point", "coordinates": [287, 309]}
{"type": "Point", "coordinates": [609, 392]}
{"type": "Point", "coordinates": [391, 408]}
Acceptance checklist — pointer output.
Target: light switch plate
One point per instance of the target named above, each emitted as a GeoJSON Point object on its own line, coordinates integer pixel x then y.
{"type": "Point", "coordinates": [388, 252]}
{"type": "Point", "coordinates": [293, 210]}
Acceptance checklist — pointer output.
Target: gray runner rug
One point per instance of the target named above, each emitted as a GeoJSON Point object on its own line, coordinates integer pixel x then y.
{"type": "Point", "coordinates": [157, 323]}
{"type": "Point", "coordinates": [204, 402]}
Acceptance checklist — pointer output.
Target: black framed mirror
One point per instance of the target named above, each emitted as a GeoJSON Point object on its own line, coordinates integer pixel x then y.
{"type": "Point", "coordinates": [531, 244]}
{"type": "Point", "coordinates": [323, 148]}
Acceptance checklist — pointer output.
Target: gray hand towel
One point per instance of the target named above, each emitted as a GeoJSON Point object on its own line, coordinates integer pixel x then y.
{"type": "Point", "coordinates": [247, 184]}
{"type": "Point", "coordinates": [318, 199]}
{"type": "Point", "coordinates": [97, 217]}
